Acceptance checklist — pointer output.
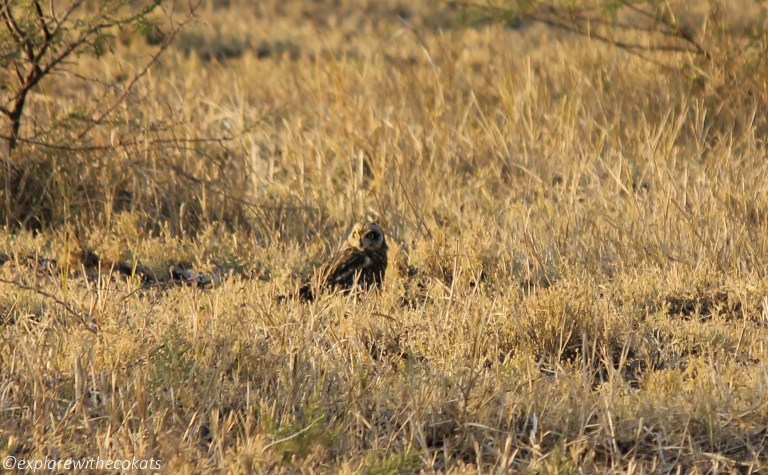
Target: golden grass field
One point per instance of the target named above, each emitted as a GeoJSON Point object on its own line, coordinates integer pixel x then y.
{"type": "Point", "coordinates": [578, 252]}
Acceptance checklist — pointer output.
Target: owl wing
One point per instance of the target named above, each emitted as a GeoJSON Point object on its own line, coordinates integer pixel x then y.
{"type": "Point", "coordinates": [340, 271]}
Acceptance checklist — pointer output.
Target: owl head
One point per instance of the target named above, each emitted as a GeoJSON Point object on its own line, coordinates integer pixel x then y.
{"type": "Point", "coordinates": [367, 236]}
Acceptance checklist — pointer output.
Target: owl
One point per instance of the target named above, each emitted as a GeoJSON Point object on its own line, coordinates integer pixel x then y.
{"type": "Point", "coordinates": [361, 262]}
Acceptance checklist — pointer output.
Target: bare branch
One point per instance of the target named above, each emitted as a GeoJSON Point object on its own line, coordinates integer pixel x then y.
{"type": "Point", "coordinates": [19, 74]}
{"type": "Point", "coordinates": [54, 38]}
{"type": "Point", "coordinates": [59, 23]}
{"type": "Point", "coordinates": [41, 19]}
{"type": "Point", "coordinates": [47, 37]}
{"type": "Point", "coordinates": [158, 141]}
{"type": "Point", "coordinates": [53, 12]}
{"type": "Point", "coordinates": [628, 47]}
{"type": "Point", "coordinates": [677, 31]}
{"type": "Point", "coordinates": [20, 36]}
{"type": "Point", "coordinates": [578, 20]}
{"type": "Point", "coordinates": [154, 58]}
{"type": "Point", "coordinates": [91, 327]}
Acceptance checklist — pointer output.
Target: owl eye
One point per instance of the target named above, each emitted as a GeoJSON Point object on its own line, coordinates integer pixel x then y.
{"type": "Point", "coordinates": [371, 235]}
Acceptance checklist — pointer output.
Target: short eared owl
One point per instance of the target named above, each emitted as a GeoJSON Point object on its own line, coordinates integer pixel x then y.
{"type": "Point", "coordinates": [360, 262]}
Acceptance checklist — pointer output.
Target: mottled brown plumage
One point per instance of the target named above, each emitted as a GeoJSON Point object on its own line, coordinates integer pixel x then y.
{"type": "Point", "coordinates": [361, 262]}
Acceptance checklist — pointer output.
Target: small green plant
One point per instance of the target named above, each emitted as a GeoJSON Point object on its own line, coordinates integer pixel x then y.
{"type": "Point", "coordinates": [308, 428]}
{"type": "Point", "coordinates": [393, 464]}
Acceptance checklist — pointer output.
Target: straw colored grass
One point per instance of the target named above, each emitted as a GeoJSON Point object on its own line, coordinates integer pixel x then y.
{"type": "Point", "coordinates": [578, 256]}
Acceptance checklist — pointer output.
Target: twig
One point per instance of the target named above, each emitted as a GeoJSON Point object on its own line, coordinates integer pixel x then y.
{"type": "Point", "coordinates": [293, 436]}
{"type": "Point", "coordinates": [145, 69]}
{"type": "Point", "coordinates": [20, 37]}
{"type": "Point", "coordinates": [577, 21]}
{"type": "Point", "coordinates": [119, 145]}
{"type": "Point", "coordinates": [629, 48]}
{"type": "Point", "coordinates": [56, 300]}
{"type": "Point", "coordinates": [676, 30]}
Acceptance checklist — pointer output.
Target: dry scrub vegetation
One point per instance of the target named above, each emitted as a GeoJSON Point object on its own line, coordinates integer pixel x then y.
{"type": "Point", "coordinates": [579, 250]}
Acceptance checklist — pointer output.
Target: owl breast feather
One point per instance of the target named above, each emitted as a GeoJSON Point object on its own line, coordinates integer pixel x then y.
{"type": "Point", "coordinates": [353, 265]}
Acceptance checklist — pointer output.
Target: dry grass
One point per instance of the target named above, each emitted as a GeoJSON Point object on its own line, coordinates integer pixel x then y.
{"type": "Point", "coordinates": [579, 240]}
